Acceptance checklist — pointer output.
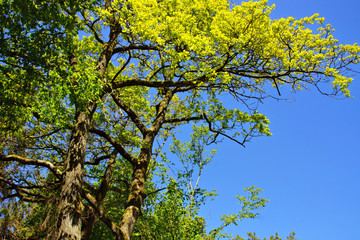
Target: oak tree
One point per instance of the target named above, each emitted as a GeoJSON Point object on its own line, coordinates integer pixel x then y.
{"type": "Point", "coordinates": [92, 91]}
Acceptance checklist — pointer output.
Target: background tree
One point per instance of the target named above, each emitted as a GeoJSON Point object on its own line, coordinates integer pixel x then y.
{"type": "Point", "coordinates": [93, 90]}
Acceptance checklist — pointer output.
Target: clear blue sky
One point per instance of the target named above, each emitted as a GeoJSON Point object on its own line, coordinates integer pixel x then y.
{"type": "Point", "coordinates": [310, 167]}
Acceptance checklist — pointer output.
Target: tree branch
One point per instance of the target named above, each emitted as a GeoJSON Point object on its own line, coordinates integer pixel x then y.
{"type": "Point", "coordinates": [98, 160]}
{"type": "Point", "coordinates": [44, 135]}
{"type": "Point", "coordinates": [156, 191]}
{"type": "Point", "coordinates": [134, 47]}
{"type": "Point", "coordinates": [220, 133]}
{"type": "Point", "coordinates": [122, 68]}
{"type": "Point", "coordinates": [163, 105]}
{"type": "Point", "coordinates": [115, 144]}
{"type": "Point", "coordinates": [20, 193]}
{"type": "Point", "coordinates": [148, 83]}
{"type": "Point", "coordinates": [185, 119]}
{"type": "Point", "coordinates": [91, 27]}
{"type": "Point", "coordinates": [28, 161]}
{"type": "Point", "coordinates": [104, 217]}
{"type": "Point", "coordinates": [132, 114]}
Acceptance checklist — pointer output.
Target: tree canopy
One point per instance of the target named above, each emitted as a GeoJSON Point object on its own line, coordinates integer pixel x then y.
{"type": "Point", "coordinates": [95, 92]}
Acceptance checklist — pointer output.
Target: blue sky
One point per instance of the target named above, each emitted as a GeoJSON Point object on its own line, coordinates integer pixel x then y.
{"type": "Point", "coordinates": [309, 168]}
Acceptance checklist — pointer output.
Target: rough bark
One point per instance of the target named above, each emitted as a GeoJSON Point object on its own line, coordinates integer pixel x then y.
{"type": "Point", "coordinates": [137, 194]}
{"type": "Point", "coordinates": [70, 206]}
{"type": "Point", "coordinates": [137, 189]}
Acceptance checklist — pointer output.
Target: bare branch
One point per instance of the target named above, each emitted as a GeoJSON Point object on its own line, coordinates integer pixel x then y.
{"type": "Point", "coordinates": [132, 114]}
{"type": "Point", "coordinates": [91, 27]}
{"type": "Point", "coordinates": [122, 68]}
{"type": "Point", "coordinates": [220, 133]}
{"type": "Point", "coordinates": [115, 144]}
{"type": "Point", "coordinates": [156, 191]}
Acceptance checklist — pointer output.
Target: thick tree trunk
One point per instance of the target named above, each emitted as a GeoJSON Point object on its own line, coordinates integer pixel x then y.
{"type": "Point", "coordinates": [70, 206]}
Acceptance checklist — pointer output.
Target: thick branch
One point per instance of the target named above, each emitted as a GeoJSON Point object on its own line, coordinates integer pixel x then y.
{"type": "Point", "coordinates": [160, 118]}
{"type": "Point", "coordinates": [8, 196]}
{"type": "Point", "coordinates": [185, 119]}
{"type": "Point", "coordinates": [134, 47]}
{"type": "Point", "coordinates": [98, 160]}
{"type": "Point", "coordinates": [149, 83]}
{"type": "Point", "coordinates": [29, 161]}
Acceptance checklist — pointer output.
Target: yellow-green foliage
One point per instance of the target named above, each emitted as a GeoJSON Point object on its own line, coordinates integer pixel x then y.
{"type": "Point", "coordinates": [222, 48]}
{"type": "Point", "coordinates": [197, 34]}
{"type": "Point", "coordinates": [139, 69]}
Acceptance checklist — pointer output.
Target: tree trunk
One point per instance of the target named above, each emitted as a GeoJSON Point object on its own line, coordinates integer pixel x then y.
{"type": "Point", "coordinates": [70, 206]}
{"type": "Point", "coordinates": [136, 197]}
{"type": "Point", "coordinates": [137, 189]}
